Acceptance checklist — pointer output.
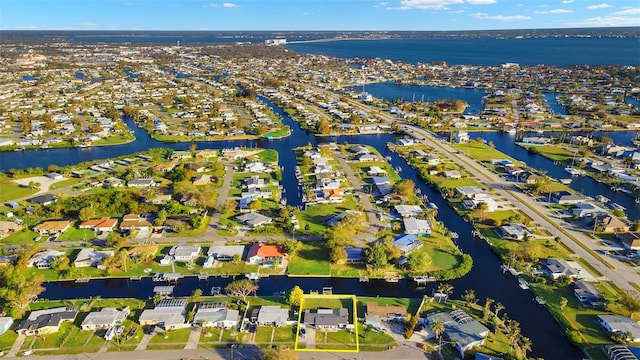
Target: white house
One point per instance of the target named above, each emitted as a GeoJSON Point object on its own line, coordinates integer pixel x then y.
{"type": "Point", "coordinates": [105, 318]}
{"type": "Point", "coordinates": [216, 314]}
{"type": "Point", "coordinates": [622, 325]}
{"type": "Point", "coordinates": [420, 227]}
{"type": "Point", "coordinates": [90, 257]}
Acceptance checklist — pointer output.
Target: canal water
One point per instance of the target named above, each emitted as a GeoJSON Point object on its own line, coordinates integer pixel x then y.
{"type": "Point", "coordinates": [485, 278]}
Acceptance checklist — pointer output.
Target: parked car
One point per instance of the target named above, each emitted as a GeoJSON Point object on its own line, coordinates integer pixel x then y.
{"type": "Point", "coordinates": [150, 329]}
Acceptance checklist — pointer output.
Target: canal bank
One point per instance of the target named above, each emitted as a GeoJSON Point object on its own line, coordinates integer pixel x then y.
{"type": "Point", "coordinates": [486, 277]}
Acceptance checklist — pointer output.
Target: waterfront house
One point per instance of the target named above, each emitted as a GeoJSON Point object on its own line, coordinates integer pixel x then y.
{"type": "Point", "coordinates": [225, 252]}
{"type": "Point", "coordinates": [460, 137]}
{"type": "Point", "coordinates": [90, 257]}
{"type": "Point", "coordinates": [333, 220]}
{"type": "Point", "coordinates": [566, 198]}
{"type": "Point", "coordinates": [185, 252]}
{"type": "Point", "coordinates": [256, 167]}
{"type": "Point", "coordinates": [327, 318]}
{"type": "Point", "coordinates": [612, 224]}
{"type": "Point", "coordinates": [272, 316]}
{"type": "Point", "coordinates": [432, 159]}
{"type": "Point", "coordinates": [420, 227]}
{"type": "Point", "coordinates": [515, 231]}
{"type": "Point", "coordinates": [588, 294]}
{"type": "Point", "coordinates": [588, 209]}
{"type": "Point", "coordinates": [556, 267]}
{"type": "Point", "coordinates": [622, 325]}
{"type": "Point", "coordinates": [262, 254]}
{"type": "Point", "coordinates": [461, 329]}
{"type": "Point", "coordinates": [216, 314]}
{"type": "Point", "coordinates": [142, 182]}
{"type": "Point", "coordinates": [471, 192]}
{"type": "Point", "coordinates": [105, 318]}
{"type": "Point", "coordinates": [407, 243]}
{"type": "Point", "coordinates": [253, 219]}
{"type": "Point", "coordinates": [405, 142]}
{"type": "Point", "coordinates": [452, 174]}
{"type": "Point", "coordinates": [168, 314]}
{"type": "Point", "coordinates": [255, 182]}
{"type": "Point", "coordinates": [5, 324]}
{"type": "Point", "coordinates": [103, 224]}
{"type": "Point", "coordinates": [367, 157]}
{"type": "Point", "coordinates": [354, 255]}
{"type": "Point", "coordinates": [406, 211]}
{"type": "Point", "coordinates": [376, 314]}
{"type": "Point", "coordinates": [376, 171]}
{"type": "Point", "coordinates": [42, 259]}
{"type": "Point", "coordinates": [46, 321]}
{"type": "Point", "coordinates": [52, 227]}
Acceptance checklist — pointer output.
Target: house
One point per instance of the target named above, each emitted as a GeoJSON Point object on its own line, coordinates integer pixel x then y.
{"type": "Point", "coordinates": [385, 312]}
{"type": "Point", "coordinates": [420, 227]}
{"type": "Point", "coordinates": [161, 199]}
{"type": "Point", "coordinates": [407, 243]}
{"type": "Point", "coordinates": [103, 224]}
{"type": "Point", "coordinates": [588, 294]}
{"type": "Point", "coordinates": [254, 193]}
{"type": "Point", "coordinates": [471, 192]}
{"type": "Point", "coordinates": [203, 179]}
{"type": "Point", "coordinates": [460, 137]}
{"type": "Point", "coordinates": [54, 176]}
{"type": "Point", "coordinates": [90, 257]}
{"type": "Point", "coordinates": [253, 219]}
{"type": "Point", "coordinates": [375, 171]}
{"type": "Point", "coordinates": [621, 352]}
{"type": "Point", "coordinates": [134, 222]}
{"type": "Point", "coordinates": [255, 182]}
{"type": "Point", "coordinates": [556, 267]}
{"type": "Point", "coordinates": [196, 167]}
{"type": "Point", "coordinates": [112, 182]}
{"type": "Point", "coordinates": [12, 204]}
{"type": "Point", "coordinates": [354, 255]}
{"type": "Point", "coordinates": [52, 227]}
{"type": "Point", "coordinates": [622, 325]}
{"type": "Point", "coordinates": [8, 228]}
{"type": "Point", "coordinates": [44, 200]}
{"type": "Point", "coordinates": [333, 220]}
{"type": "Point", "coordinates": [515, 231]}
{"type": "Point", "coordinates": [367, 157]}
{"type": "Point", "coordinates": [216, 314]}
{"type": "Point", "coordinates": [588, 209]}
{"type": "Point", "coordinates": [42, 260]}
{"type": "Point", "coordinates": [256, 167]}
{"type": "Point", "coordinates": [327, 318]}
{"type": "Point", "coordinates": [432, 159]}
{"type": "Point", "coordinates": [566, 198]}
{"type": "Point", "coordinates": [630, 240]}
{"type": "Point", "coordinates": [225, 252]}
{"type": "Point", "coordinates": [612, 224]}
{"type": "Point", "coordinates": [461, 329]}
{"type": "Point", "coordinates": [142, 182]}
{"type": "Point", "coordinates": [405, 142]}
{"type": "Point", "coordinates": [272, 316]}
{"type": "Point", "coordinates": [185, 252]}
{"type": "Point", "coordinates": [168, 313]}
{"type": "Point", "coordinates": [5, 324]}
{"type": "Point", "coordinates": [408, 210]}
{"type": "Point", "coordinates": [105, 318]}
{"type": "Point", "coordinates": [46, 321]}
{"type": "Point", "coordinates": [452, 174]}
{"type": "Point", "coordinates": [262, 254]}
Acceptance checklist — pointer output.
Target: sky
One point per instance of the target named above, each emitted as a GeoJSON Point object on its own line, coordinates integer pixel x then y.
{"type": "Point", "coordinates": [230, 15]}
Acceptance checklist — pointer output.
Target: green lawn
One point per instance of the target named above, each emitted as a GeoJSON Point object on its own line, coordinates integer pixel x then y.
{"type": "Point", "coordinates": [314, 215]}
{"type": "Point", "coordinates": [74, 234]}
{"type": "Point", "coordinates": [65, 183]}
{"type": "Point", "coordinates": [7, 339]}
{"type": "Point", "coordinates": [23, 237]}
{"type": "Point", "coordinates": [171, 336]}
{"type": "Point", "coordinates": [482, 152]}
{"type": "Point", "coordinates": [122, 138]}
{"type": "Point", "coordinates": [263, 334]}
{"type": "Point", "coordinates": [12, 191]}
{"type": "Point", "coordinates": [268, 156]}
{"type": "Point", "coordinates": [284, 334]}
{"type": "Point", "coordinates": [311, 259]}
{"type": "Point", "coordinates": [553, 152]}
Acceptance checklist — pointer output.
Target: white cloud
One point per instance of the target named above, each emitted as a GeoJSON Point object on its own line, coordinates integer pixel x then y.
{"type": "Point", "coordinates": [485, 16]}
{"type": "Point", "coordinates": [229, 5]}
{"type": "Point", "coordinates": [612, 21]}
{"type": "Point", "coordinates": [567, 1]}
{"type": "Point", "coordinates": [456, 11]}
{"type": "Point", "coordinates": [381, 4]}
{"type": "Point", "coordinates": [555, 11]}
{"type": "Point", "coordinates": [90, 24]}
{"type": "Point", "coordinates": [599, 6]}
{"type": "Point", "coordinates": [428, 4]}
{"type": "Point", "coordinates": [627, 12]}
{"type": "Point", "coordinates": [481, 2]}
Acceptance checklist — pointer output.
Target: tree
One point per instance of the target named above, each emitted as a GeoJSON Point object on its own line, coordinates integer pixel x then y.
{"type": "Point", "coordinates": [486, 309]}
{"type": "Point", "coordinates": [470, 296]}
{"type": "Point", "coordinates": [375, 255]}
{"type": "Point", "coordinates": [499, 307]}
{"type": "Point", "coordinates": [337, 254]}
{"type": "Point", "coordinates": [418, 260]}
{"type": "Point", "coordinates": [295, 296]}
{"type": "Point", "coordinates": [630, 300]}
{"type": "Point", "coordinates": [196, 295]}
{"type": "Point", "coordinates": [18, 289]}
{"type": "Point", "coordinates": [291, 246]}
{"type": "Point", "coordinates": [241, 288]}
{"type": "Point", "coordinates": [236, 259]}
{"type": "Point", "coordinates": [255, 205]}
{"type": "Point", "coordinates": [404, 187]}
{"type": "Point", "coordinates": [524, 344]}
{"type": "Point", "coordinates": [438, 329]}
{"type": "Point", "coordinates": [445, 288]}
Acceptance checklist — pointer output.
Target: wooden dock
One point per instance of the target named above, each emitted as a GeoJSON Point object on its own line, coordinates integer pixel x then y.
{"type": "Point", "coordinates": [423, 280]}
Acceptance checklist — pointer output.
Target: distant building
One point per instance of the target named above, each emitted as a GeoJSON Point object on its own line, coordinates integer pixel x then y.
{"type": "Point", "coordinates": [52, 227]}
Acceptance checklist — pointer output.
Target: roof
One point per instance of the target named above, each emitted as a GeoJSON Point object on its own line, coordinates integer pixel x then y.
{"type": "Point", "coordinates": [48, 317]}
{"type": "Point", "coordinates": [263, 250]}
{"type": "Point", "coordinates": [413, 224]}
{"type": "Point", "coordinates": [253, 218]}
{"type": "Point", "coordinates": [226, 250]}
{"type": "Point", "coordinates": [327, 317]}
{"type": "Point", "coordinates": [623, 324]}
{"type": "Point", "coordinates": [43, 199]}
{"type": "Point", "coordinates": [460, 327]}
{"type": "Point", "coordinates": [105, 317]}
{"type": "Point", "coordinates": [354, 253]}
{"type": "Point", "coordinates": [53, 225]}
{"type": "Point", "coordinates": [103, 222]}
{"type": "Point", "coordinates": [215, 312]}
{"type": "Point", "coordinates": [272, 313]}
{"type": "Point", "coordinates": [373, 308]}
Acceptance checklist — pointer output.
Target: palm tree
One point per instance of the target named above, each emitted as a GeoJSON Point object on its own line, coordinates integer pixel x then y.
{"type": "Point", "coordinates": [499, 307]}
{"type": "Point", "coordinates": [445, 288]}
{"type": "Point", "coordinates": [525, 346]}
{"type": "Point", "coordinates": [486, 310]}
{"type": "Point", "coordinates": [438, 328]}
{"type": "Point", "coordinates": [470, 296]}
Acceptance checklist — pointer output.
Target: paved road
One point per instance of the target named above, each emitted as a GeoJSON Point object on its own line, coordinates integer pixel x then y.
{"type": "Point", "coordinates": [623, 274]}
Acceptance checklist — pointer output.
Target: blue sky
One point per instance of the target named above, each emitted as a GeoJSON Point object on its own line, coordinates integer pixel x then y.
{"type": "Point", "coordinates": [314, 14]}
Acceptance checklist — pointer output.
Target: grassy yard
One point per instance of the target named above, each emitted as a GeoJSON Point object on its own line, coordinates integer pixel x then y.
{"type": "Point", "coordinates": [74, 234]}
{"type": "Point", "coordinates": [65, 183]}
{"type": "Point", "coordinates": [314, 215]}
{"type": "Point", "coordinates": [553, 152]}
{"type": "Point", "coordinates": [7, 339]}
{"type": "Point", "coordinates": [311, 259]}
{"type": "Point", "coordinates": [263, 334]}
{"type": "Point", "coordinates": [268, 156]}
{"type": "Point", "coordinates": [482, 152]}
{"type": "Point", "coordinates": [12, 191]}
{"type": "Point", "coordinates": [23, 237]}
{"type": "Point", "coordinates": [171, 336]}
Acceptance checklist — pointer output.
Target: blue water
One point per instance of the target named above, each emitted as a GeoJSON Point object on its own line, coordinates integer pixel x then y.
{"type": "Point", "coordinates": [553, 104]}
{"type": "Point", "coordinates": [130, 74]}
{"type": "Point", "coordinates": [391, 91]}
{"type": "Point", "coordinates": [80, 75]}
{"type": "Point", "coordinates": [549, 51]}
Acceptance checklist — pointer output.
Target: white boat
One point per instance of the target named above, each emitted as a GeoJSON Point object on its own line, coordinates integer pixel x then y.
{"type": "Point", "coordinates": [574, 172]}
{"type": "Point", "coordinates": [602, 199]}
{"type": "Point", "coordinates": [566, 181]}
{"type": "Point", "coordinates": [619, 207]}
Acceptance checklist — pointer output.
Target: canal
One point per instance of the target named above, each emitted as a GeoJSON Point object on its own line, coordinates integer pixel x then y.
{"type": "Point", "coordinates": [486, 277]}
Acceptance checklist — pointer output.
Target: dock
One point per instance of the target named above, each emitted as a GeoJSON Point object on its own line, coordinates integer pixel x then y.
{"type": "Point", "coordinates": [327, 290]}
{"type": "Point", "coordinates": [215, 291]}
{"type": "Point", "coordinates": [163, 290]}
{"type": "Point", "coordinates": [253, 276]}
{"type": "Point", "coordinates": [82, 280]}
{"type": "Point", "coordinates": [423, 280]}
{"type": "Point", "coordinates": [203, 276]}
{"type": "Point", "coordinates": [391, 277]}
{"type": "Point", "coordinates": [171, 278]}
{"type": "Point", "coordinates": [364, 279]}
